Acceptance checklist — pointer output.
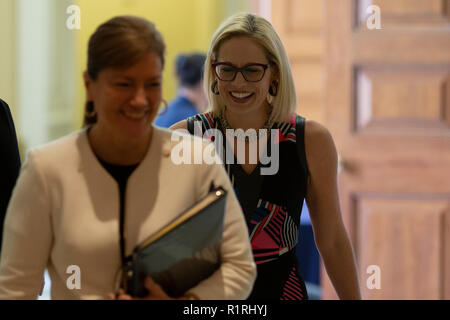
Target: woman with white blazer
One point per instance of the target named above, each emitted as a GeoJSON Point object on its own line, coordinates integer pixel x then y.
{"type": "Point", "coordinates": [74, 194]}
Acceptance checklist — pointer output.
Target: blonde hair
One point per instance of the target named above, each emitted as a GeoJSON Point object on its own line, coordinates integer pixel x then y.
{"type": "Point", "coordinates": [259, 29]}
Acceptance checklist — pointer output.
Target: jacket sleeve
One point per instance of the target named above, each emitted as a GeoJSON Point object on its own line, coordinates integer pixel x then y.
{"type": "Point", "coordinates": [237, 273]}
{"type": "Point", "coordinates": [9, 160]}
{"type": "Point", "coordinates": [27, 236]}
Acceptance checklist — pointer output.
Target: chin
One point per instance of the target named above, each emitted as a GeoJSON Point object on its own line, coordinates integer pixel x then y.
{"type": "Point", "coordinates": [242, 109]}
{"type": "Point", "coordinates": [138, 132]}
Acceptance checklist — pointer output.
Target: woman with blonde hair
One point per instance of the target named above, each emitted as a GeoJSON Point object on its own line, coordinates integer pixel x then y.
{"type": "Point", "coordinates": [253, 99]}
{"type": "Point", "coordinates": [88, 199]}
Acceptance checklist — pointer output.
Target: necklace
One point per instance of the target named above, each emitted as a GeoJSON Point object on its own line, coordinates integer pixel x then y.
{"type": "Point", "coordinates": [247, 136]}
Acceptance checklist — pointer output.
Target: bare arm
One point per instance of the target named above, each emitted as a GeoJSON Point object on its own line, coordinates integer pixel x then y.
{"type": "Point", "coordinates": [179, 125]}
{"type": "Point", "coordinates": [323, 204]}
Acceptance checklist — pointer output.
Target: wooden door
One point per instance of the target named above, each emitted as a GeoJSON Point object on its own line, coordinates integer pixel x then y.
{"type": "Point", "coordinates": [385, 97]}
{"type": "Point", "coordinates": [300, 25]}
{"type": "Point", "coordinates": [388, 108]}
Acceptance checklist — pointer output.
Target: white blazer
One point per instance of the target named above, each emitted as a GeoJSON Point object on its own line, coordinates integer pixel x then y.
{"type": "Point", "coordinates": [64, 211]}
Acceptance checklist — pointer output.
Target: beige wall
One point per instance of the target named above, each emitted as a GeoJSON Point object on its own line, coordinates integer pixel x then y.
{"type": "Point", "coordinates": [41, 60]}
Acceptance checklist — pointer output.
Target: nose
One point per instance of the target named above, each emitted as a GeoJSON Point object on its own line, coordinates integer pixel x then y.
{"type": "Point", "coordinates": [139, 98]}
{"type": "Point", "coordinates": [239, 78]}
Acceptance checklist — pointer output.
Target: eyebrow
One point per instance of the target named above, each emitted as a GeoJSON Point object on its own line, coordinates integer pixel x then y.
{"type": "Point", "coordinates": [245, 65]}
{"type": "Point", "coordinates": [131, 79]}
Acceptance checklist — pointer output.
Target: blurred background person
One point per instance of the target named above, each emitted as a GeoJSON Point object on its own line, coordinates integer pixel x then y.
{"type": "Point", "coordinates": [191, 98]}
{"type": "Point", "coordinates": [89, 198]}
{"type": "Point", "coordinates": [9, 161]}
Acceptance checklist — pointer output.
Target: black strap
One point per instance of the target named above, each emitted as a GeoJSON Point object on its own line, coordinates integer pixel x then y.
{"type": "Point", "coordinates": [190, 124]}
{"type": "Point", "coordinates": [300, 137]}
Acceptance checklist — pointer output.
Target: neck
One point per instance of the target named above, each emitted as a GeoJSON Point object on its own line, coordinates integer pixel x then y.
{"type": "Point", "coordinates": [114, 152]}
{"type": "Point", "coordinates": [254, 120]}
{"type": "Point", "coordinates": [193, 96]}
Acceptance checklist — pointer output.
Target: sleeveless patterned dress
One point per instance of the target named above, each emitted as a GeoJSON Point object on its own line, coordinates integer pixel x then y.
{"type": "Point", "coordinates": [272, 207]}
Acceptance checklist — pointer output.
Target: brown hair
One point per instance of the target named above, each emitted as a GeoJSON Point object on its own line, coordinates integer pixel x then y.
{"type": "Point", "coordinates": [120, 43]}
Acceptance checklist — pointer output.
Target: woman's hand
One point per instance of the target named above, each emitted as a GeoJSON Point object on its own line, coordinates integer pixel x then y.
{"type": "Point", "coordinates": [155, 290]}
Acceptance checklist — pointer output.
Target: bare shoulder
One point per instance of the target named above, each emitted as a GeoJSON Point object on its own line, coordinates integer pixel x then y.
{"type": "Point", "coordinates": [319, 144]}
{"type": "Point", "coordinates": [315, 130]}
{"type": "Point", "coordinates": [179, 125]}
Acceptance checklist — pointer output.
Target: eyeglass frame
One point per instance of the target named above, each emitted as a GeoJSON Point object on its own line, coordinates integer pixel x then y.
{"type": "Point", "coordinates": [237, 70]}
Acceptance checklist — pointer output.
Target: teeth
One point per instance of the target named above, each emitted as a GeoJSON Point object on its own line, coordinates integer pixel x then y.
{"type": "Point", "coordinates": [241, 95]}
{"type": "Point", "coordinates": [134, 115]}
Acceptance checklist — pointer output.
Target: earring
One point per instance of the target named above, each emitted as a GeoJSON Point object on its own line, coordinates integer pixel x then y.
{"type": "Point", "coordinates": [166, 107]}
{"type": "Point", "coordinates": [90, 110]}
{"type": "Point", "coordinates": [213, 88]}
{"type": "Point", "coordinates": [273, 89]}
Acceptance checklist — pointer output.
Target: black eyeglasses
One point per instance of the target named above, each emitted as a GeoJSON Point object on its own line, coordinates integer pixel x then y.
{"type": "Point", "coordinates": [253, 72]}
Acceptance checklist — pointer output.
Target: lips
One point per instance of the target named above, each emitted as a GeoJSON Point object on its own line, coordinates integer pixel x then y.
{"type": "Point", "coordinates": [134, 115]}
{"type": "Point", "coordinates": [241, 97]}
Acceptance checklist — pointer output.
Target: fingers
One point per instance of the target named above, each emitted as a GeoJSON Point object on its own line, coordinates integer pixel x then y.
{"type": "Point", "coordinates": [156, 292]}
{"type": "Point", "coordinates": [120, 295]}
{"type": "Point", "coordinates": [150, 283]}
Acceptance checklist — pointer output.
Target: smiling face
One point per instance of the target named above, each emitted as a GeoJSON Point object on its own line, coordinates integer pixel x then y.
{"type": "Point", "coordinates": [239, 95]}
{"type": "Point", "coordinates": [127, 100]}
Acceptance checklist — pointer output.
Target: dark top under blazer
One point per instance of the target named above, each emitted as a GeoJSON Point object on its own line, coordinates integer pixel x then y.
{"type": "Point", "coordinates": [9, 160]}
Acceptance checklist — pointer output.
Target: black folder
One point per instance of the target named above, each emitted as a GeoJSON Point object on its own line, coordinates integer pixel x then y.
{"type": "Point", "coordinates": [183, 253]}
